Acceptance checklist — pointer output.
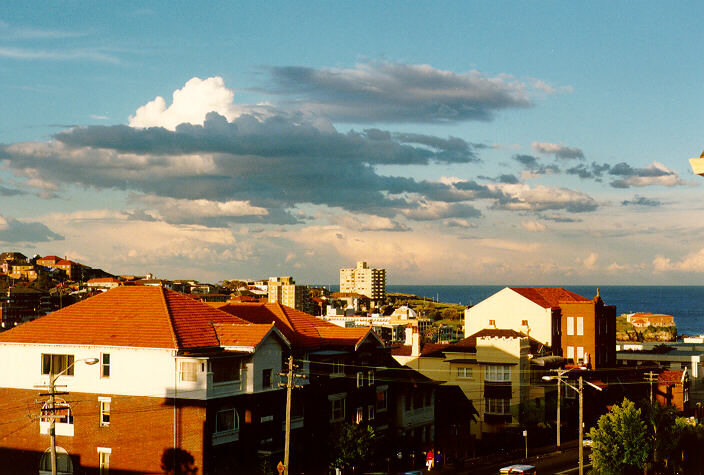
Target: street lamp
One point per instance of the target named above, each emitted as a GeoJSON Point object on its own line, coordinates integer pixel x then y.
{"type": "Point", "coordinates": [52, 400]}
{"type": "Point", "coordinates": [580, 391]}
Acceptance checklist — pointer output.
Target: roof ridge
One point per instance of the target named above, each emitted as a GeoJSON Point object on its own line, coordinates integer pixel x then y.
{"type": "Point", "coordinates": [169, 315]}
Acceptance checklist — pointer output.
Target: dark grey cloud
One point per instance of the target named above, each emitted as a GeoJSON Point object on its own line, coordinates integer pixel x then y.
{"type": "Point", "coordinates": [654, 174]}
{"type": "Point", "coordinates": [534, 165]}
{"type": "Point", "coordinates": [641, 201]}
{"type": "Point", "coordinates": [13, 231]}
{"type": "Point", "coordinates": [558, 150]}
{"type": "Point", "coordinates": [279, 136]}
{"type": "Point", "coordinates": [4, 191]}
{"type": "Point", "coordinates": [395, 92]}
{"type": "Point", "coordinates": [592, 171]}
{"type": "Point", "coordinates": [505, 178]}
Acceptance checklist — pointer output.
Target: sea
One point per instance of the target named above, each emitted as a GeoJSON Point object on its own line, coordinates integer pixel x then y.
{"type": "Point", "coordinates": [685, 303]}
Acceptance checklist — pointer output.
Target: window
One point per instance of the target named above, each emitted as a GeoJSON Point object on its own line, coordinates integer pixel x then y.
{"type": "Point", "coordinates": [189, 371]}
{"type": "Point", "coordinates": [492, 323]}
{"type": "Point", "coordinates": [337, 407]}
{"type": "Point", "coordinates": [464, 373]}
{"type": "Point", "coordinates": [104, 411]}
{"type": "Point", "coordinates": [227, 420]}
{"type": "Point", "coordinates": [104, 460]}
{"type": "Point", "coordinates": [524, 323]}
{"type": "Point", "coordinates": [370, 377]}
{"type": "Point", "coordinates": [580, 353]}
{"type": "Point", "coordinates": [63, 418]}
{"type": "Point", "coordinates": [371, 412]}
{"type": "Point", "coordinates": [55, 364]}
{"type": "Point", "coordinates": [63, 461]}
{"type": "Point", "coordinates": [266, 378]}
{"type": "Point", "coordinates": [498, 373]}
{"type": "Point", "coordinates": [359, 416]}
{"type": "Point", "coordinates": [570, 353]}
{"type": "Point", "coordinates": [225, 369]}
{"type": "Point", "coordinates": [570, 325]}
{"type": "Point", "coordinates": [338, 369]}
{"type": "Point", "coordinates": [360, 379]}
{"type": "Point", "coordinates": [580, 325]}
{"type": "Point", "coordinates": [497, 406]}
{"type": "Point", "coordinates": [381, 399]}
{"type": "Point", "coordinates": [407, 401]}
{"type": "Point", "coordinates": [105, 365]}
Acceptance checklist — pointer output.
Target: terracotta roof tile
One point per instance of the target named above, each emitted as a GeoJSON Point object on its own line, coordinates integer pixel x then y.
{"type": "Point", "coordinates": [549, 297]}
{"type": "Point", "coordinates": [143, 317]}
{"type": "Point", "coordinates": [670, 376]}
{"type": "Point", "coordinates": [241, 336]}
{"type": "Point", "coordinates": [300, 328]}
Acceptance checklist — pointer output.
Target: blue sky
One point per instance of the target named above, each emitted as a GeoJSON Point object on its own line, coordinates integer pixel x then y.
{"type": "Point", "coordinates": [461, 142]}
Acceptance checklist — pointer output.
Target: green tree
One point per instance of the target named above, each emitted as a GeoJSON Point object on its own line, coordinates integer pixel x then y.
{"type": "Point", "coordinates": [620, 442]}
{"type": "Point", "coordinates": [352, 446]}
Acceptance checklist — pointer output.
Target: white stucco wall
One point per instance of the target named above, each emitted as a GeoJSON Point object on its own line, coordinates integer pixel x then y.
{"type": "Point", "coordinates": [508, 309]}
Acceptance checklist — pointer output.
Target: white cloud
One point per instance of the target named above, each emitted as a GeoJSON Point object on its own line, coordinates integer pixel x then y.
{"type": "Point", "coordinates": [189, 104]}
{"type": "Point", "coordinates": [693, 262]}
{"type": "Point", "coordinates": [589, 261]}
{"type": "Point", "coordinates": [533, 226]}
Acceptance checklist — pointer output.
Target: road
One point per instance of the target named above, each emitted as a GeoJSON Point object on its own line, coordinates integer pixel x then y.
{"type": "Point", "coordinates": [556, 463]}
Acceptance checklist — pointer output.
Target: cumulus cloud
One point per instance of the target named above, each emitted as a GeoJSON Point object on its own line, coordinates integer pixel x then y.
{"type": "Point", "coordinates": [589, 261]}
{"type": "Point", "coordinates": [693, 262]}
{"type": "Point", "coordinates": [641, 201]}
{"type": "Point", "coordinates": [369, 223]}
{"type": "Point", "coordinates": [558, 150]}
{"type": "Point", "coordinates": [533, 226]}
{"type": "Point", "coordinates": [534, 167]}
{"type": "Point", "coordinates": [15, 231]}
{"type": "Point", "coordinates": [428, 211]}
{"type": "Point", "coordinates": [654, 174]}
{"type": "Point", "coordinates": [592, 171]}
{"type": "Point", "coordinates": [394, 92]}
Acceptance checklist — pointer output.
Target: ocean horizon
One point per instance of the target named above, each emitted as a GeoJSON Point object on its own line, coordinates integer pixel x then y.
{"type": "Point", "coordinates": [684, 302]}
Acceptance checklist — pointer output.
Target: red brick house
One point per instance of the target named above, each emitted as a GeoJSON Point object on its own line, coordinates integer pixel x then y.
{"type": "Point", "coordinates": [172, 373]}
{"type": "Point", "coordinates": [673, 389]}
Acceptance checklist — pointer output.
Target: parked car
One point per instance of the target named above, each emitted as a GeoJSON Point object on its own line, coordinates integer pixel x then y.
{"type": "Point", "coordinates": [586, 442]}
{"type": "Point", "coordinates": [520, 469]}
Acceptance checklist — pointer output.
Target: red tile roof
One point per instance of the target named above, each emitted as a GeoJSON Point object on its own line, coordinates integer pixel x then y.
{"type": "Point", "coordinates": [300, 328]}
{"type": "Point", "coordinates": [549, 297]}
{"type": "Point", "coordinates": [143, 317]}
{"type": "Point", "coordinates": [243, 336]}
{"type": "Point", "coordinates": [670, 376]}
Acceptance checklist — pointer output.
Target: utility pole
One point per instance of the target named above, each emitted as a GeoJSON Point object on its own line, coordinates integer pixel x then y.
{"type": "Point", "coordinates": [581, 426]}
{"type": "Point", "coordinates": [559, 377]}
{"type": "Point", "coordinates": [651, 378]}
{"type": "Point", "coordinates": [289, 386]}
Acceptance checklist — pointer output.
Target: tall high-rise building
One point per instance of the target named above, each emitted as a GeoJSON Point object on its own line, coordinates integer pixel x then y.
{"type": "Point", "coordinates": [364, 280]}
{"type": "Point", "coordinates": [284, 290]}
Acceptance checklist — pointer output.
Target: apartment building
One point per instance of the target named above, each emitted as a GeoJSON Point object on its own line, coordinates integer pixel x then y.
{"type": "Point", "coordinates": [284, 290]}
{"type": "Point", "coordinates": [580, 329]}
{"type": "Point", "coordinates": [364, 280]}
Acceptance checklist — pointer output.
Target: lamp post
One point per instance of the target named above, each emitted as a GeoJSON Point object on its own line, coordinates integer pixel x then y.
{"type": "Point", "coordinates": [52, 401]}
{"type": "Point", "coordinates": [580, 391]}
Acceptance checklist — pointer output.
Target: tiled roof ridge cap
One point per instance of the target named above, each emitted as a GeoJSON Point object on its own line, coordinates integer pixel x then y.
{"type": "Point", "coordinates": [174, 336]}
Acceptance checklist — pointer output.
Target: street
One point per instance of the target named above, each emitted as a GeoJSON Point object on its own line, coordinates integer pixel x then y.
{"type": "Point", "coordinates": [559, 463]}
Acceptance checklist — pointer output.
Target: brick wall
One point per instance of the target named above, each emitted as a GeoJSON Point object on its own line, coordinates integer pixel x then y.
{"type": "Point", "coordinates": [140, 429]}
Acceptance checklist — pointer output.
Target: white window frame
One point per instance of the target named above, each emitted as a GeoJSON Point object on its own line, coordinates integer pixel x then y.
{"type": "Point", "coordinates": [104, 460]}
{"type": "Point", "coordinates": [580, 325]}
{"type": "Point", "coordinates": [371, 412]}
{"type": "Point", "coordinates": [337, 413]}
{"type": "Point", "coordinates": [62, 426]}
{"type": "Point", "coordinates": [338, 369]}
{"type": "Point", "coordinates": [465, 373]}
{"type": "Point", "coordinates": [497, 406]}
{"type": "Point", "coordinates": [570, 325]}
{"type": "Point", "coordinates": [370, 377]}
{"type": "Point", "coordinates": [104, 365]}
{"type": "Point", "coordinates": [235, 423]}
{"type": "Point", "coordinates": [188, 371]}
{"type": "Point", "coordinates": [104, 403]}
{"type": "Point", "coordinates": [360, 379]}
{"type": "Point", "coordinates": [570, 353]}
{"type": "Point", "coordinates": [498, 373]}
{"type": "Point", "coordinates": [580, 353]}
